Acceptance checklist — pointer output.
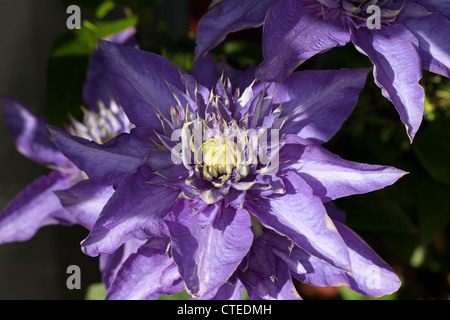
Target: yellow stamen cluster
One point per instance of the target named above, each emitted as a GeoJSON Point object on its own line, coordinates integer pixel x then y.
{"type": "Point", "coordinates": [220, 156]}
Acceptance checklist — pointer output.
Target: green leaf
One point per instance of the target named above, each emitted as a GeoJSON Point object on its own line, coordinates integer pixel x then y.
{"type": "Point", "coordinates": [418, 256]}
{"type": "Point", "coordinates": [104, 8]}
{"type": "Point", "coordinates": [95, 291]}
{"type": "Point", "coordinates": [348, 294]}
{"type": "Point", "coordinates": [244, 294]}
{"type": "Point", "coordinates": [89, 7]}
{"type": "Point", "coordinates": [179, 296]}
{"type": "Point", "coordinates": [101, 29]}
{"type": "Point", "coordinates": [432, 147]}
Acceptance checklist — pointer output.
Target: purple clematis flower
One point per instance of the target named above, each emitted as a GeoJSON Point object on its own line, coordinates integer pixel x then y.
{"type": "Point", "coordinates": [214, 169]}
{"type": "Point", "coordinates": [37, 205]}
{"type": "Point", "coordinates": [400, 37]}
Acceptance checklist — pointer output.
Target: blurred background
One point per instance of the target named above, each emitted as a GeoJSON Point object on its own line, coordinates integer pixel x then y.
{"type": "Point", "coordinates": [43, 65]}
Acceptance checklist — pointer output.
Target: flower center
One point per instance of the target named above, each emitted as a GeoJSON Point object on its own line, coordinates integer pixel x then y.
{"type": "Point", "coordinates": [220, 157]}
{"type": "Point", "coordinates": [224, 157]}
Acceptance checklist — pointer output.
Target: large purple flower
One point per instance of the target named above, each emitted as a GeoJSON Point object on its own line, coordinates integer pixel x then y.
{"type": "Point", "coordinates": [400, 37]}
{"type": "Point", "coordinates": [214, 169]}
{"type": "Point", "coordinates": [37, 205]}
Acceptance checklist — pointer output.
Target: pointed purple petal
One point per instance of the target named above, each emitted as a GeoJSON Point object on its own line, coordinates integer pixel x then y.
{"type": "Point", "coordinates": [207, 253]}
{"type": "Point", "coordinates": [85, 200]}
{"type": "Point", "coordinates": [136, 210]}
{"type": "Point", "coordinates": [301, 216]}
{"type": "Point", "coordinates": [35, 207]}
{"type": "Point", "coordinates": [105, 164]}
{"type": "Point", "coordinates": [370, 276]}
{"type": "Point", "coordinates": [323, 103]}
{"type": "Point", "coordinates": [226, 17]}
{"type": "Point", "coordinates": [30, 134]}
{"type": "Point", "coordinates": [292, 34]}
{"type": "Point", "coordinates": [398, 69]}
{"type": "Point", "coordinates": [330, 176]}
{"type": "Point", "coordinates": [141, 82]}
{"type": "Point", "coordinates": [141, 275]}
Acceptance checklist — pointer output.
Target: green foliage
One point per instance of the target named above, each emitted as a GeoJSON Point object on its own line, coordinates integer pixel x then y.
{"type": "Point", "coordinates": [179, 296]}
{"type": "Point", "coordinates": [347, 294]}
{"type": "Point", "coordinates": [95, 291]}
